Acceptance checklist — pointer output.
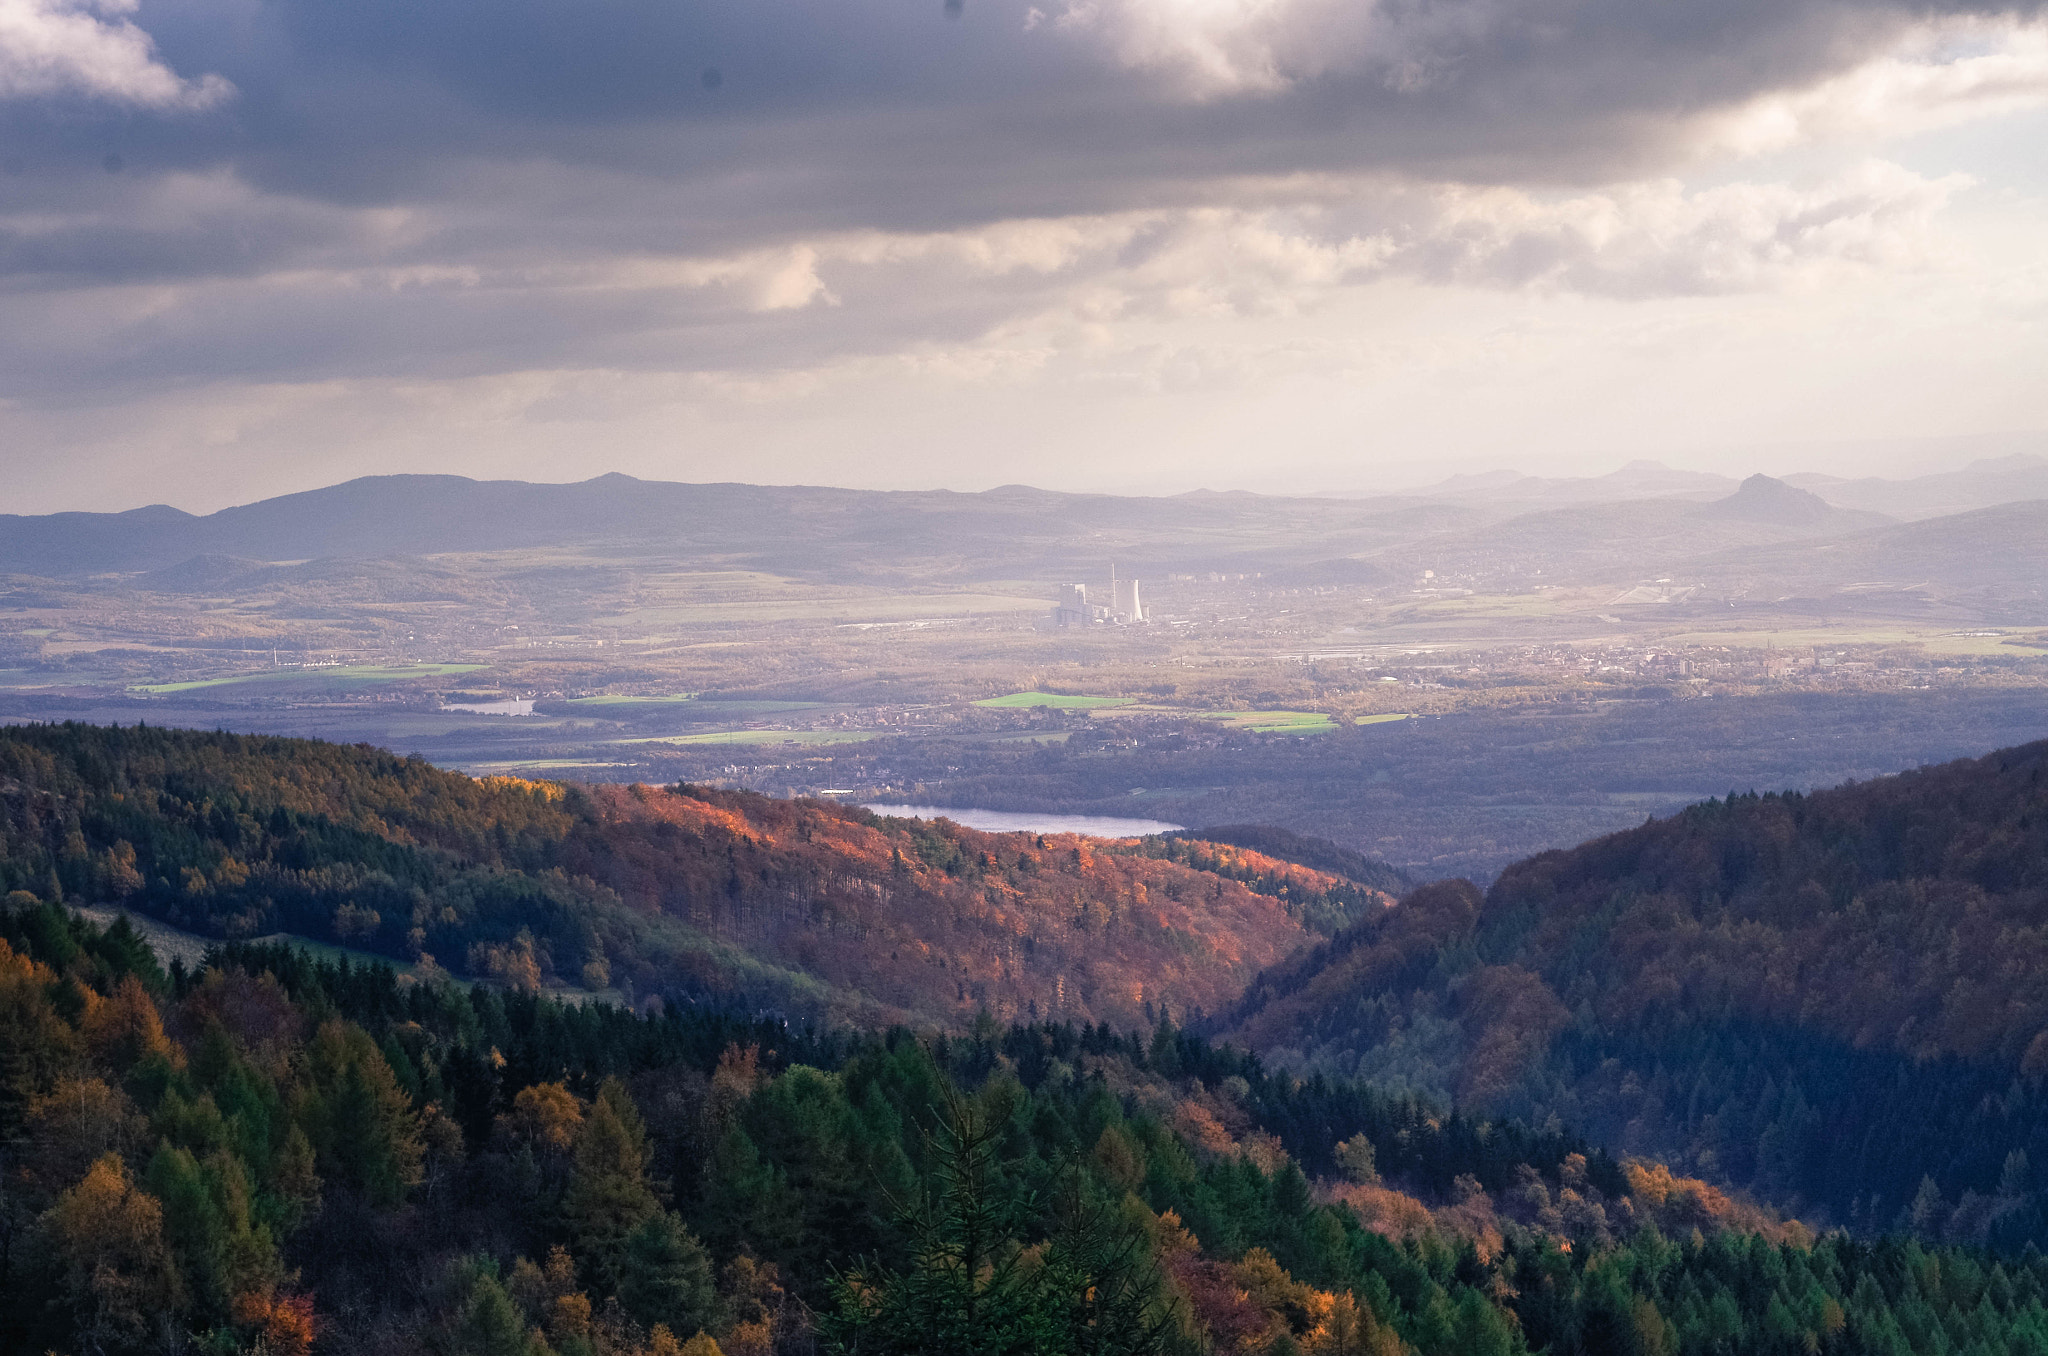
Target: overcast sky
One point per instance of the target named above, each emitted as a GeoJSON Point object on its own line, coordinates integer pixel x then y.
{"type": "Point", "coordinates": [254, 246]}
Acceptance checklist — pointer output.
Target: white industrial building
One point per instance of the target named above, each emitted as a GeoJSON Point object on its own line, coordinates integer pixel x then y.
{"type": "Point", "coordinates": [1124, 609]}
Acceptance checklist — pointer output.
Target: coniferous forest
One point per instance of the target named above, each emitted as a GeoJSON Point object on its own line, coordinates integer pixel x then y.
{"type": "Point", "coordinates": [271, 1153]}
{"type": "Point", "coordinates": [288, 1150]}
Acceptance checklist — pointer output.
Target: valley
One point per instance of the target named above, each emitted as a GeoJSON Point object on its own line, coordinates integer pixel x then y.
{"type": "Point", "coordinates": [1753, 1048]}
{"type": "Point", "coordinates": [1630, 643]}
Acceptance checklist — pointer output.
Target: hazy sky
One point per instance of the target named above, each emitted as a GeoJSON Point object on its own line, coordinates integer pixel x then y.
{"type": "Point", "coordinates": [252, 246]}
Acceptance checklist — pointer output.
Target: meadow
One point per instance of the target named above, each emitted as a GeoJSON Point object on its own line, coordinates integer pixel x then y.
{"type": "Point", "coordinates": [318, 676]}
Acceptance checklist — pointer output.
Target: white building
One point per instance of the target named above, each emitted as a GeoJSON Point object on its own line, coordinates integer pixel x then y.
{"type": "Point", "coordinates": [1074, 609]}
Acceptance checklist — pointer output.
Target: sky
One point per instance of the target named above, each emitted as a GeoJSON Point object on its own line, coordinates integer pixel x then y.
{"type": "Point", "coordinates": [249, 247]}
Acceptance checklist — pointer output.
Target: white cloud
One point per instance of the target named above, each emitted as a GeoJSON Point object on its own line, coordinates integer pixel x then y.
{"type": "Point", "coordinates": [758, 281]}
{"type": "Point", "coordinates": [1643, 240]}
{"type": "Point", "coordinates": [1657, 239]}
{"type": "Point", "coordinates": [1939, 74]}
{"type": "Point", "coordinates": [365, 291]}
{"type": "Point", "coordinates": [1214, 48]}
{"type": "Point", "coordinates": [90, 48]}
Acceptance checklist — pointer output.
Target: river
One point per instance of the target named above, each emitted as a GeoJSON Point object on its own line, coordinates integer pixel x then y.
{"type": "Point", "coordinates": [520, 706]}
{"type": "Point", "coordinates": [1027, 821]}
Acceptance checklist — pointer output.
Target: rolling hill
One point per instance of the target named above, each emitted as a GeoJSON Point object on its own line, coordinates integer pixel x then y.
{"type": "Point", "coordinates": [805, 531]}
{"type": "Point", "coordinates": [1983, 483]}
{"type": "Point", "coordinates": [2005, 546]}
{"type": "Point", "coordinates": [1829, 998]}
{"type": "Point", "coordinates": [806, 907]}
{"type": "Point", "coordinates": [1604, 539]}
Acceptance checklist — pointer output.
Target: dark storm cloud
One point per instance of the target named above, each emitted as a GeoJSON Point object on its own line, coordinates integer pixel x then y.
{"type": "Point", "coordinates": [883, 112]}
{"type": "Point", "coordinates": [391, 187]}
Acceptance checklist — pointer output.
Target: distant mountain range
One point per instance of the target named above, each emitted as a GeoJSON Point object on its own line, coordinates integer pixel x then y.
{"type": "Point", "coordinates": [1637, 480]}
{"type": "Point", "coordinates": [1981, 484]}
{"type": "Point", "coordinates": [2001, 545]}
{"type": "Point", "coordinates": [1617, 539]}
{"type": "Point", "coordinates": [794, 529]}
{"type": "Point", "coordinates": [1641, 521]}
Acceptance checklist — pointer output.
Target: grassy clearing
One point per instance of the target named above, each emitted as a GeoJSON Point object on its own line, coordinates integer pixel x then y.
{"type": "Point", "coordinates": [343, 673]}
{"type": "Point", "coordinates": [1258, 722]}
{"type": "Point", "coordinates": [191, 947]}
{"type": "Point", "coordinates": [1381, 719]}
{"type": "Point", "coordinates": [1273, 722]}
{"type": "Point", "coordinates": [1022, 700]}
{"type": "Point", "coordinates": [169, 942]}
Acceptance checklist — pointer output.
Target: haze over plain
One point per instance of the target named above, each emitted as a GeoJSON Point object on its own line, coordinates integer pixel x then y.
{"type": "Point", "coordinates": [1096, 247]}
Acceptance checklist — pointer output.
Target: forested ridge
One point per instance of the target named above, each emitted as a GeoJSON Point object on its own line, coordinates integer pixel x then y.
{"type": "Point", "coordinates": [803, 907]}
{"type": "Point", "coordinates": [282, 1155]}
{"type": "Point", "coordinates": [1838, 1000]}
{"type": "Point", "coordinates": [747, 1075]}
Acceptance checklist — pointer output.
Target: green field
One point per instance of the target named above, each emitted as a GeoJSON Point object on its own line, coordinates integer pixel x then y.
{"type": "Point", "coordinates": [342, 673]}
{"type": "Point", "coordinates": [679, 699]}
{"type": "Point", "coordinates": [1274, 722]}
{"type": "Point", "coordinates": [1380, 720]}
{"type": "Point", "coordinates": [1021, 700]}
{"type": "Point", "coordinates": [1258, 722]}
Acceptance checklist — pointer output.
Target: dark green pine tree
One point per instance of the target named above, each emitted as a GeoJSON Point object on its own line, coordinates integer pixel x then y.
{"type": "Point", "coordinates": [1099, 1286]}
{"type": "Point", "coordinates": [609, 1196]}
{"type": "Point", "coordinates": [490, 1323]}
{"type": "Point", "coordinates": [666, 1277]}
{"type": "Point", "coordinates": [965, 1290]}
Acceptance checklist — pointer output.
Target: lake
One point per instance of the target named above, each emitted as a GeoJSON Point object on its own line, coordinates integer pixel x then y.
{"type": "Point", "coordinates": [1026, 821]}
{"type": "Point", "coordinates": [517, 707]}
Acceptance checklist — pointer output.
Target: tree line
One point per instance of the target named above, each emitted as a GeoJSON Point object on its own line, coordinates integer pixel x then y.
{"type": "Point", "coordinates": [275, 1153]}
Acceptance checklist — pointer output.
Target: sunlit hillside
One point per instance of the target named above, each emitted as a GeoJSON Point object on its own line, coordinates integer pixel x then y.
{"type": "Point", "coordinates": [806, 907]}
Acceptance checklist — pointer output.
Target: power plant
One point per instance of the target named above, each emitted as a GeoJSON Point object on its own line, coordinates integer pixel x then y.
{"type": "Point", "coordinates": [1074, 609]}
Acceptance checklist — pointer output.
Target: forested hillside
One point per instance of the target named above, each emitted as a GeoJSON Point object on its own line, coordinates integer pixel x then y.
{"type": "Point", "coordinates": [1838, 999]}
{"type": "Point", "coordinates": [803, 907]}
{"type": "Point", "coordinates": [274, 1155]}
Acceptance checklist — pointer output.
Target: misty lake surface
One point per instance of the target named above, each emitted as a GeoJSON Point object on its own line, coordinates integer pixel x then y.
{"type": "Point", "coordinates": [505, 708]}
{"type": "Point", "coordinates": [1026, 821]}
